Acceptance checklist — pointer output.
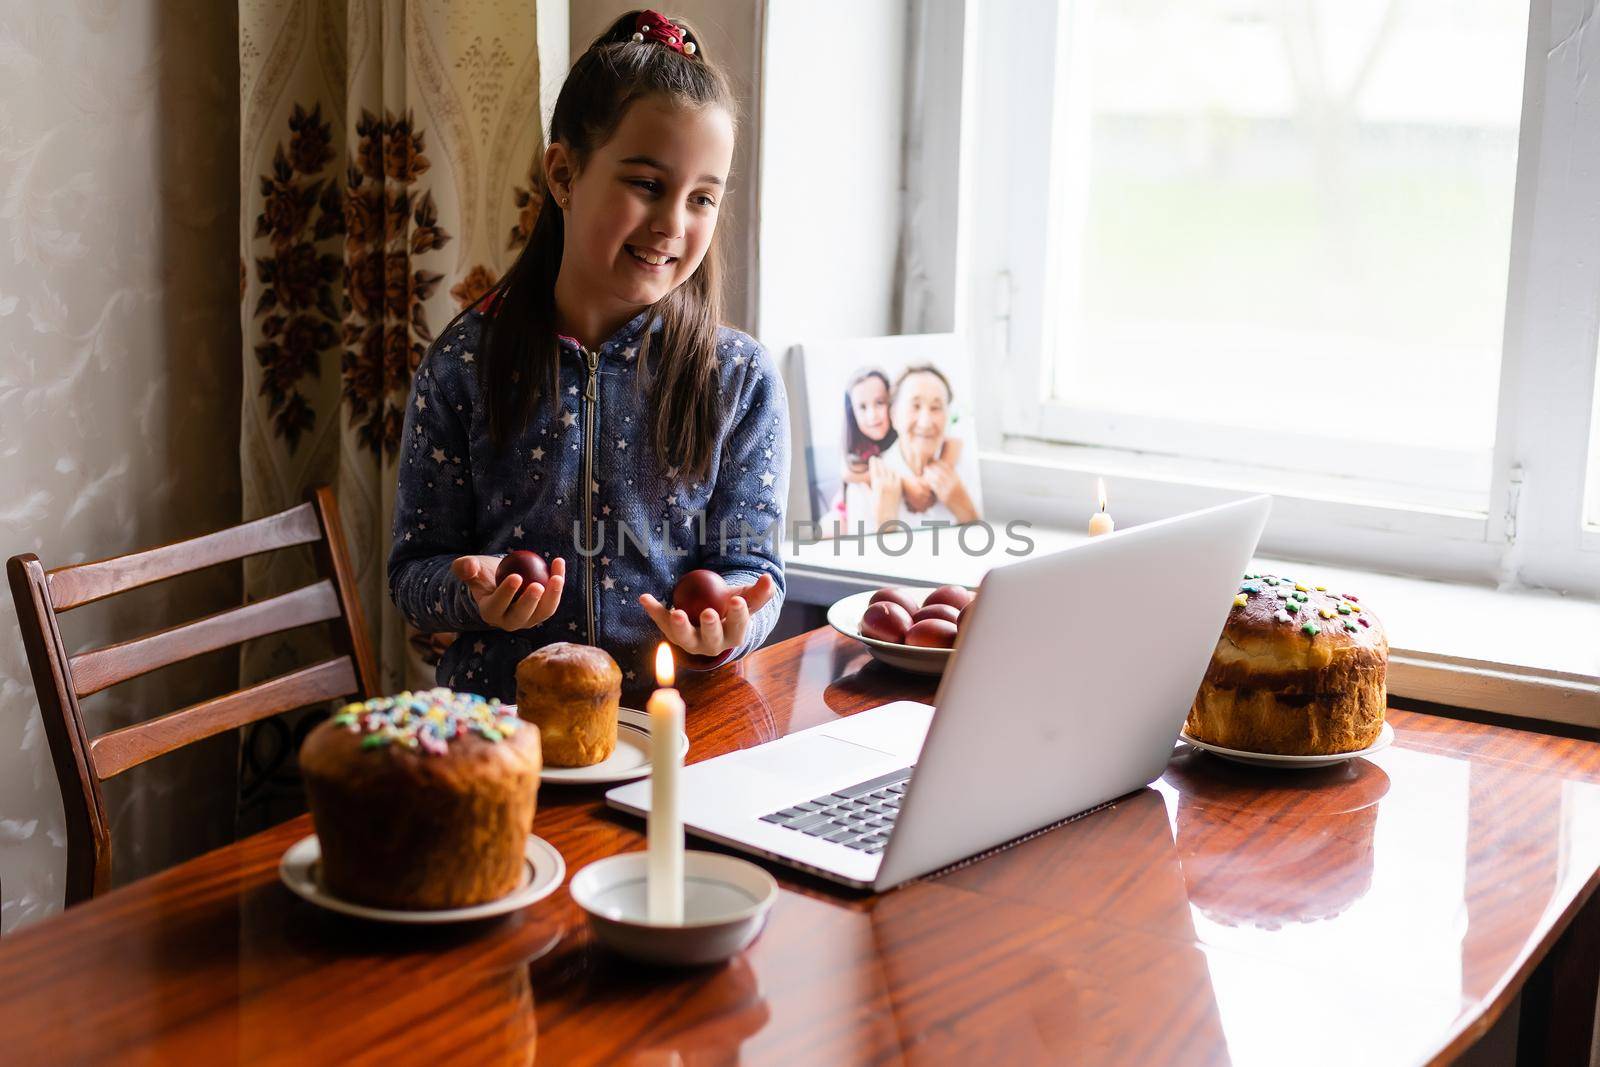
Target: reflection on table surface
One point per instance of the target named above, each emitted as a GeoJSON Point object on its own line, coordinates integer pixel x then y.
{"type": "Point", "coordinates": [1222, 914]}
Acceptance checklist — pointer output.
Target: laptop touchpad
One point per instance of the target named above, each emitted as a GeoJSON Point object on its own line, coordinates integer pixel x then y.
{"type": "Point", "coordinates": [814, 758]}
{"type": "Point", "coordinates": [897, 729]}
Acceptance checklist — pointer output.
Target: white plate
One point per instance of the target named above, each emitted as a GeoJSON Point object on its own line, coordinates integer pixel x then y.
{"type": "Point", "coordinates": [544, 871]}
{"type": "Point", "coordinates": [1293, 763]}
{"type": "Point", "coordinates": [845, 616]}
{"type": "Point", "coordinates": [629, 760]}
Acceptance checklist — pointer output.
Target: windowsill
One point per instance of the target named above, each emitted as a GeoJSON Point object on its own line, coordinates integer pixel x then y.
{"type": "Point", "coordinates": [1465, 510]}
{"type": "Point", "coordinates": [1527, 654]}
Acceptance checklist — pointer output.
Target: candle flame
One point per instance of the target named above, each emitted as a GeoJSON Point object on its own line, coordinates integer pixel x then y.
{"type": "Point", "coordinates": [664, 665]}
{"type": "Point", "coordinates": [1100, 491]}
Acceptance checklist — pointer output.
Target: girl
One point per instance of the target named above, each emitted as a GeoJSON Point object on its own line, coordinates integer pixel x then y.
{"type": "Point", "coordinates": [867, 432]}
{"type": "Point", "coordinates": [593, 408]}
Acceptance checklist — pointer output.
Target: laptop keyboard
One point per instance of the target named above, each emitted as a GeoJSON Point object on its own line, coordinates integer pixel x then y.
{"type": "Point", "coordinates": [859, 816]}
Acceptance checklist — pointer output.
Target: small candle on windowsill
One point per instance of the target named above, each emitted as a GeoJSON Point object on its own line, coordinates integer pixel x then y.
{"type": "Point", "coordinates": [1100, 522]}
{"type": "Point", "coordinates": [664, 827]}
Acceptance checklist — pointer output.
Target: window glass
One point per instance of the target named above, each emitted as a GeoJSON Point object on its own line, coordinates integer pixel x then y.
{"type": "Point", "coordinates": [1288, 216]}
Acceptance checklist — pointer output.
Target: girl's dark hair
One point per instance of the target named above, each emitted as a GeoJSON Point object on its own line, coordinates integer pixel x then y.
{"type": "Point", "coordinates": [858, 447]}
{"type": "Point", "coordinates": [520, 348]}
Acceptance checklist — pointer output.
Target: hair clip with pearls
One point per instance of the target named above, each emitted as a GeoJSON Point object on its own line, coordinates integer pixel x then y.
{"type": "Point", "coordinates": [654, 26]}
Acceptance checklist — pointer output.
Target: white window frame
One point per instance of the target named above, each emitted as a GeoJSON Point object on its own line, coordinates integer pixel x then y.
{"type": "Point", "coordinates": [1040, 459]}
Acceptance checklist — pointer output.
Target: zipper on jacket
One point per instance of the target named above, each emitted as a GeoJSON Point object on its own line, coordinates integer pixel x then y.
{"type": "Point", "coordinates": [591, 398]}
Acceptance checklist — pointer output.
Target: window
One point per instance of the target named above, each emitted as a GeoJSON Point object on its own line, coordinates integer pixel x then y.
{"type": "Point", "coordinates": [1339, 250]}
{"type": "Point", "coordinates": [1265, 209]}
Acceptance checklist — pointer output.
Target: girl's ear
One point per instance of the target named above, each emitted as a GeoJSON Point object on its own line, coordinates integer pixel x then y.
{"type": "Point", "coordinates": [559, 172]}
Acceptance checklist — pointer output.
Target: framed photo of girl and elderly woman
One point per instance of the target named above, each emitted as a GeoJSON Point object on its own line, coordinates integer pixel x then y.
{"type": "Point", "coordinates": [890, 434]}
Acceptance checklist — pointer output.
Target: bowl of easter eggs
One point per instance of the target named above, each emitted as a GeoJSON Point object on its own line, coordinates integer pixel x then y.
{"type": "Point", "coordinates": [912, 629]}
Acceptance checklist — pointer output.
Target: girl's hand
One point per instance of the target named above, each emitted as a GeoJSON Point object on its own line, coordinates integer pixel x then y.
{"type": "Point", "coordinates": [849, 472]}
{"type": "Point", "coordinates": [918, 495]}
{"type": "Point", "coordinates": [495, 603]}
{"type": "Point", "coordinates": [941, 478]}
{"type": "Point", "coordinates": [715, 634]}
{"type": "Point", "coordinates": [886, 492]}
{"type": "Point", "coordinates": [947, 483]}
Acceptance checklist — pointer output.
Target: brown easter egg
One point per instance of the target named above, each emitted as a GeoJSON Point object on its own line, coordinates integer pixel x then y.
{"type": "Point", "coordinates": [529, 566]}
{"type": "Point", "coordinates": [936, 611]}
{"type": "Point", "coordinates": [885, 621]}
{"type": "Point", "coordinates": [699, 590]}
{"type": "Point", "coordinates": [932, 633]}
{"type": "Point", "coordinates": [895, 596]}
{"type": "Point", "coordinates": [956, 596]}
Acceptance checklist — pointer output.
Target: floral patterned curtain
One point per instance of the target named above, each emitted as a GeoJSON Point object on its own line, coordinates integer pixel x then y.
{"type": "Point", "coordinates": [388, 158]}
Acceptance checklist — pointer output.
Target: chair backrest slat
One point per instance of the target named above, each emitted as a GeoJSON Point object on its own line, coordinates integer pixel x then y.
{"type": "Point", "coordinates": [82, 583]}
{"type": "Point", "coordinates": [130, 746]}
{"type": "Point", "coordinates": [95, 670]}
{"type": "Point", "coordinates": [82, 762]}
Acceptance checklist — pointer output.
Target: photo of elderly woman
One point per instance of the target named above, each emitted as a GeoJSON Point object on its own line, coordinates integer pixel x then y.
{"type": "Point", "coordinates": [867, 435]}
{"type": "Point", "coordinates": [916, 479]}
{"type": "Point", "coordinates": [896, 449]}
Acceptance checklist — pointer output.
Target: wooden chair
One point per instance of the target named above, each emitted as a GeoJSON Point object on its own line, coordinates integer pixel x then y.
{"type": "Point", "coordinates": [83, 762]}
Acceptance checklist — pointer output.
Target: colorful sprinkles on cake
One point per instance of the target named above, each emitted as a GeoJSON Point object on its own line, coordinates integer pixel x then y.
{"type": "Point", "coordinates": [427, 721]}
{"type": "Point", "coordinates": [1294, 595]}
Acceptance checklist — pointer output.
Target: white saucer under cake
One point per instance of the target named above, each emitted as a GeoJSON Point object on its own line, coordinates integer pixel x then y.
{"type": "Point", "coordinates": [1292, 763]}
{"type": "Point", "coordinates": [630, 760]}
{"type": "Point", "coordinates": [543, 873]}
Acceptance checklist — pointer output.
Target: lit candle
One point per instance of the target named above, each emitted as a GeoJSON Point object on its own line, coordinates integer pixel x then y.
{"type": "Point", "coordinates": [664, 827]}
{"type": "Point", "coordinates": [1100, 522]}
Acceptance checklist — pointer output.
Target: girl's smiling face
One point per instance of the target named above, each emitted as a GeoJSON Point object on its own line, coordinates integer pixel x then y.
{"type": "Point", "coordinates": [869, 399]}
{"type": "Point", "coordinates": [641, 213]}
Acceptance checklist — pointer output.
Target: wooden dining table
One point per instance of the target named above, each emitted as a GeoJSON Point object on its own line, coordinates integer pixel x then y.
{"type": "Point", "coordinates": [1383, 910]}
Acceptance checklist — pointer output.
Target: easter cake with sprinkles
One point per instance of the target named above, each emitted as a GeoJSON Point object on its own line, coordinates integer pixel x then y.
{"type": "Point", "coordinates": [422, 800]}
{"type": "Point", "coordinates": [1297, 671]}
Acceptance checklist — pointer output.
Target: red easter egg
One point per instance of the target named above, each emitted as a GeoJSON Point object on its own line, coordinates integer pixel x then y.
{"type": "Point", "coordinates": [529, 566]}
{"type": "Point", "coordinates": [885, 621]}
{"type": "Point", "coordinates": [699, 590]}
{"type": "Point", "coordinates": [932, 633]}
{"type": "Point", "coordinates": [956, 596]}
{"type": "Point", "coordinates": [961, 618]}
{"type": "Point", "coordinates": [936, 611]}
{"type": "Point", "coordinates": [895, 596]}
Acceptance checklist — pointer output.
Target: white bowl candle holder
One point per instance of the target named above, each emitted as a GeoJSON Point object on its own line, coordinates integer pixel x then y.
{"type": "Point", "coordinates": [725, 906]}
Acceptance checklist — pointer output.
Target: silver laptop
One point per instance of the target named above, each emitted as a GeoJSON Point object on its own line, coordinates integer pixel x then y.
{"type": "Point", "coordinates": [1072, 679]}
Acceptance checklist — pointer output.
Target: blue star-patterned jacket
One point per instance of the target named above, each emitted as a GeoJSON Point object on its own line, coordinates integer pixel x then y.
{"type": "Point", "coordinates": [457, 497]}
